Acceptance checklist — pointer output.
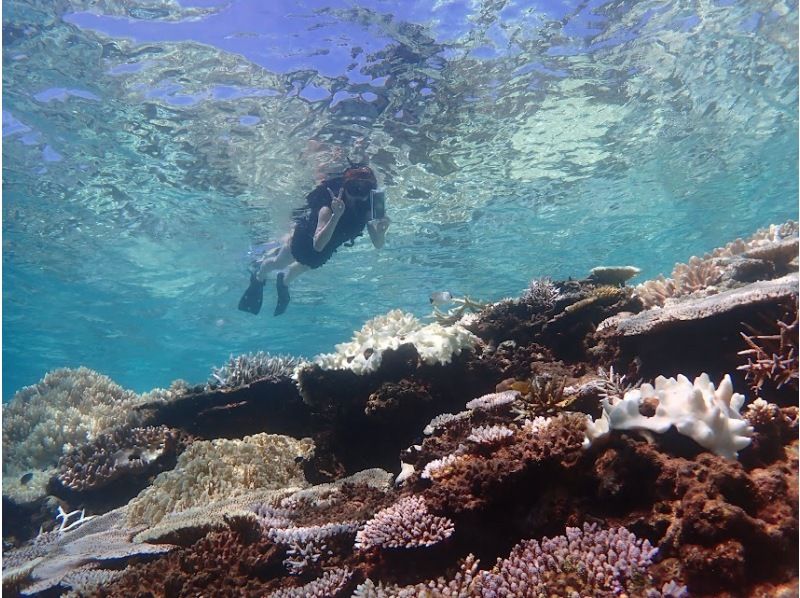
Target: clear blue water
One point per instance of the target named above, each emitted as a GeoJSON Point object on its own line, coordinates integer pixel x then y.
{"type": "Point", "coordinates": [147, 145]}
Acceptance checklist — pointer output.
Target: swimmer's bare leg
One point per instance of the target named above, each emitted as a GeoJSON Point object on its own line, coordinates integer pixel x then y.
{"type": "Point", "coordinates": [277, 259]}
{"type": "Point", "coordinates": [284, 279]}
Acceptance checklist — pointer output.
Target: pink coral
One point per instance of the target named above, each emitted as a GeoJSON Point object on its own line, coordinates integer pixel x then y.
{"type": "Point", "coordinates": [406, 524]}
{"type": "Point", "coordinates": [590, 561]}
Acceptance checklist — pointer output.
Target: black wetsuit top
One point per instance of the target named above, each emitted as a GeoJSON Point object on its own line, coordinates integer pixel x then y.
{"type": "Point", "coordinates": [351, 224]}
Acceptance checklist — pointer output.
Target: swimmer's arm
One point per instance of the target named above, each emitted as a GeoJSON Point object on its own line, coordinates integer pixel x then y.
{"type": "Point", "coordinates": [377, 231]}
{"type": "Point", "coordinates": [326, 224]}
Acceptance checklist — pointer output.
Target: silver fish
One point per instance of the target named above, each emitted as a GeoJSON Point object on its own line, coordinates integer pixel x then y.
{"type": "Point", "coordinates": [440, 297]}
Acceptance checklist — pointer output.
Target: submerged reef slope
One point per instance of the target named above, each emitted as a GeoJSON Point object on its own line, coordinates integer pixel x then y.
{"type": "Point", "coordinates": [585, 439]}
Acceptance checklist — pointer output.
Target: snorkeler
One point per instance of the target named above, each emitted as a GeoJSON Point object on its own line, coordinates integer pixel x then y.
{"type": "Point", "coordinates": [336, 212]}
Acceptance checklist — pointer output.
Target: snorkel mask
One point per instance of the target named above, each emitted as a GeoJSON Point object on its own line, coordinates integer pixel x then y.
{"type": "Point", "coordinates": [359, 181]}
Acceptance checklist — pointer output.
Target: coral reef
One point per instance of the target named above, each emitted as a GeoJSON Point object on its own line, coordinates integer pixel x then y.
{"type": "Point", "coordinates": [246, 369]}
{"type": "Point", "coordinates": [55, 558]}
{"type": "Point", "coordinates": [434, 343]}
{"type": "Point", "coordinates": [541, 293]}
{"type": "Point", "coordinates": [208, 470]}
{"type": "Point", "coordinates": [122, 452]}
{"type": "Point", "coordinates": [65, 409]}
{"type": "Point", "coordinates": [530, 464]}
{"type": "Point", "coordinates": [767, 254]}
{"type": "Point", "coordinates": [586, 562]}
{"type": "Point", "coordinates": [406, 524]}
{"type": "Point", "coordinates": [708, 415]}
{"type": "Point", "coordinates": [773, 357]}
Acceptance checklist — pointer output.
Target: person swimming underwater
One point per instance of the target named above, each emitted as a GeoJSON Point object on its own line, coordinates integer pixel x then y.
{"type": "Point", "coordinates": [335, 214]}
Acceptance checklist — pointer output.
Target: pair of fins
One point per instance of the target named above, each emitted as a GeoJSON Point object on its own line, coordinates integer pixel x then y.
{"type": "Point", "coordinates": [253, 297]}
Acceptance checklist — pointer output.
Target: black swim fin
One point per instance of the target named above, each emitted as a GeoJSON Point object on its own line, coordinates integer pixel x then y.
{"type": "Point", "coordinates": [283, 296]}
{"type": "Point", "coordinates": [253, 296]}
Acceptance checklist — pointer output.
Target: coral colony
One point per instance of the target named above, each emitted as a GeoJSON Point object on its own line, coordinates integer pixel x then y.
{"type": "Point", "coordinates": [589, 438]}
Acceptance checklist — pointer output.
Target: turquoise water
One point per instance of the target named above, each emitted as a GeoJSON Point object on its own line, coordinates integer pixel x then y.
{"type": "Point", "coordinates": [147, 145]}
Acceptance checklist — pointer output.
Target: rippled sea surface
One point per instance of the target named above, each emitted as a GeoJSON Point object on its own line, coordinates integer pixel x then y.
{"type": "Point", "coordinates": [147, 145]}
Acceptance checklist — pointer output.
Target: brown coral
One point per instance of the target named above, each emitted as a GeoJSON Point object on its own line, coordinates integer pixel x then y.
{"type": "Point", "coordinates": [772, 357]}
{"type": "Point", "coordinates": [122, 452]}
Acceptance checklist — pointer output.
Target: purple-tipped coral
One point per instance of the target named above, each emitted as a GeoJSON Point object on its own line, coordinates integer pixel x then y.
{"type": "Point", "coordinates": [587, 562]}
{"type": "Point", "coordinates": [492, 401]}
{"type": "Point", "coordinates": [122, 452]}
{"type": "Point", "coordinates": [541, 292]}
{"type": "Point", "coordinates": [406, 524]}
{"type": "Point", "coordinates": [330, 584]}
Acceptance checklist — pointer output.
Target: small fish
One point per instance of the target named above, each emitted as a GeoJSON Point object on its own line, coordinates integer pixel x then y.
{"type": "Point", "coordinates": [440, 297]}
{"type": "Point", "coordinates": [26, 478]}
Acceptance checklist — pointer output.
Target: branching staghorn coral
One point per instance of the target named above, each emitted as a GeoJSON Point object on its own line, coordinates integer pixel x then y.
{"type": "Point", "coordinates": [490, 436]}
{"type": "Point", "coordinates": [772, 357]}
{"type": "Point", "coordinates": [493, 401]}
{"type": "Point", "coordinates": [329, 584]}
{"type": "Point", "coordinates": [439, 468]}
{"type": "Point", "coordinates": [584, 562]}
{"type": "Point", "coordinates": [541, 395]}
{"type": "Point", "coordinates": [541, 293]}
{"type": "Point", "coordinates": [613, 385]}
{"type": "Point", "coordinates": [245, 369]}
{"type": "Point", "coordinates": [464, 307]}
{"type": "Point", "coordinates": [307, 544]}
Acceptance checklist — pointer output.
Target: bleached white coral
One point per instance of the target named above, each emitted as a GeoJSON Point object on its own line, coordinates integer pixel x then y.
{"type": "Point", "coordinates": [493, 400]}
{"type": "Point", "coordinates": [213, 469]}
{"type": "Point", "coordinates": [708, 415]}
{"type": "Point", "coordinates": [760, 413]}
{"type": "Point", "coordinates": [439, 468]}
{"type": "Point", "coordinates": [490, 435]}
{"type": "Point", "coordinates": [536, 425]}
{"type": "Point", "coordinates": [442, 420]}
{"type": "Point", "coordinates": [434, 343]}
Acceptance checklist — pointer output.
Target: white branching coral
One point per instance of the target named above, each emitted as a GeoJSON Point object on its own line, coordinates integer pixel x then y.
{"type": "Point", "coordinates": [535, 426]}
{"type": "Point", "coordinates": [434, 343]}
{"type": "Point", "coordinates": [708, 415]}
{"type": "Point", "coordinates": [490, 435]}
{"type": "Point", "coordinates": [439, 468]}
{"type": "Point", "coordinates": [541, 293]}
{"type": "Point", "coordinates": [493, 400]}
{"type": "Point", "coordinates": [307, 545]}
{"type": "Point", "coordinates": [213, 469]}
{"type": "Point", "coordinates": [442, 420]}
{"type": "Point", "coordinates": [67, 408]}
{"type": "Point", "coordinates": [760, 413]}
{"type": "Point", "coordinates": [244, 369]}
{"type": "Point", "coordinates": [405, 524]}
